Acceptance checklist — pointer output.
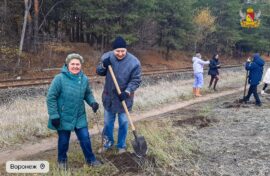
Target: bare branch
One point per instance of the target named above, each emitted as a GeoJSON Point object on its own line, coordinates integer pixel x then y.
{"type": "Point", "coordinates": [58, 2]}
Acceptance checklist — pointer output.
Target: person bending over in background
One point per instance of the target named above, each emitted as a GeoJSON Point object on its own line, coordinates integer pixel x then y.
{"type": "Point", "coordinates": [213, 71]}
{"type": "Point", "coordinates": [198, 64]}
{"type": "Point", "coordinates": [66, 109]}
{"type": "Point", "coordinates": [255, 69]}
{"type": "Point", "coordinates": [266, 81]}
{"type": "Point", "coordinates": [127, 70]}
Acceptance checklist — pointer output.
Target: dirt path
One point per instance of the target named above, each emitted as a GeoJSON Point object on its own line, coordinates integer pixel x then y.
{"type": "Point", "coordinates": [51, 143]}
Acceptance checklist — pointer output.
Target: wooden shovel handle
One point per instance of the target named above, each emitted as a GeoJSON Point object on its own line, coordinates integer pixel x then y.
{"type": "Point", "coordinates": [119, 92]}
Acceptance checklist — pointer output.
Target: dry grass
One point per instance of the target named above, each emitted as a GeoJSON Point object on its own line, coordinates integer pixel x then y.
{"type": "Point", "coordinates": [159, 94]}
{"type": "Point", "coordinates": [167, 144]}
{"type": "Point", "coordinates": [25, 119]}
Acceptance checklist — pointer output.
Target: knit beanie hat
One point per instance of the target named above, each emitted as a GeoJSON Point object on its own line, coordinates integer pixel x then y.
{"type": "Point", "coordinates": [119, 42]}
{"type": "Point", "coordinates": [74, 56]}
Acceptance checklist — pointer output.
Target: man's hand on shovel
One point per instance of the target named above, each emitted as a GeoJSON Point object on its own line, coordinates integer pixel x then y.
{"type": "Point", "coordinates": [123, 96]}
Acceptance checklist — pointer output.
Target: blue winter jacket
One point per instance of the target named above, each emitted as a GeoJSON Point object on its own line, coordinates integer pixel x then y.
{"type": "Point", "coordinates": [65, 100]}
{"type": "Point", "coordinates": [128, 75]}
{"type": "Point", "coordinates": [255, 69]}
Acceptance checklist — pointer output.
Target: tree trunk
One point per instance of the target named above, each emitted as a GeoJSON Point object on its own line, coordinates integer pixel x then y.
{"type": "Point", "coordinates": [72, 31]}
{"type": "Point", "coordinates": [103, 43]}
{"type": "Point", "coordinates": [36, 6]}
{"type": "Point", "coordinates": [29, 33]}
{"type": "Point", "coordinates": [195, 46]}
{"type": "Point", "coordinates": [27, 5]}
{"type": "Point", "coordinates": [167, 53]}
{"type": "Point", "coordinates": [77, 29]}
{"type": "Point", "coordinates": [56, 29]}
{"type": "Point", "coordinates": [4, 18]}
{"type": "Point", "coordinates": [81, 30]}
{"type": "Point", "coordinates": [87, 37]}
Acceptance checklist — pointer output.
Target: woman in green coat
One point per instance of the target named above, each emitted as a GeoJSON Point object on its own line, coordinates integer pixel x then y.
{"type": "Point", "coordinates": [65, 101]}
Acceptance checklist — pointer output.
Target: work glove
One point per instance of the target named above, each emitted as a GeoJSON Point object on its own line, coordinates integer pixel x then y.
{"type": "Point", "coordinates": [123, 96]}
{"type": "Point", "coordinates": [95, 107]}
{"type": "Point", "coordinates": [106, 62]}
{"type": "Point", "coordinates": [56, 122]}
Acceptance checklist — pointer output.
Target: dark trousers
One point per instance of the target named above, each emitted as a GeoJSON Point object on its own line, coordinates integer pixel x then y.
{"type": "Point", "coordinates": [213, 77]}
{"type": "Point", "coordinates": [253, 90]}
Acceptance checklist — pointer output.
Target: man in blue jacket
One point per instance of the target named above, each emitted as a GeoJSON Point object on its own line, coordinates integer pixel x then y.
{"type": "Point", "coordinates": [127, 70]}
{"type": "Point", "coordinates": [255, 69]}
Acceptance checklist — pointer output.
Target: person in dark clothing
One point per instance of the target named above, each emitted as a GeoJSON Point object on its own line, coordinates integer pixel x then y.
{"type": "Point", "coordinates": [127, 69]}
{"type": "Point", "coordinates": [255, 69]}
{"type": "Point", "coordinates": [213, 71]}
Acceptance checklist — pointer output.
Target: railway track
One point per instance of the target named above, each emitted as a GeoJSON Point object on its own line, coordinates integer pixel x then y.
{"type": "Point", "coordinates": [12, 83]}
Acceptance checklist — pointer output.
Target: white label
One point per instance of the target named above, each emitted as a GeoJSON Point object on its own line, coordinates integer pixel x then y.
{"type": "Point", "coordinates": [27, 166]}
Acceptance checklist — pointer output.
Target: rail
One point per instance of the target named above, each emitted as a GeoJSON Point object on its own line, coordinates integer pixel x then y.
{"type": "Point", "coordinates": [11, 83]}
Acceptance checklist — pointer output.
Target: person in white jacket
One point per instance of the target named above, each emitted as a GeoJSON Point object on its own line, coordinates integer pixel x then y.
{"type": "Point", "coordinates": [266, 81]}
{"type": "Point", "coordinates": [198, 64]}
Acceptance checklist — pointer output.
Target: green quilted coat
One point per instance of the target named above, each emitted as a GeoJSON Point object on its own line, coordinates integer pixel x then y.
{"type": "Point", "coordinates": [65, 100]}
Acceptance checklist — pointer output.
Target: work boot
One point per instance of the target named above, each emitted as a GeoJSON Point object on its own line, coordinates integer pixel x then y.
{"type": "Point", "coordinates": [62, 166]}
{"type": "Point", "coordinates": [194, 91]}
{"type": "Point", "coordinates": [258, 104]}
{"type": "Point", "coordinates": [107, 145]}
{"type": "Point", "coordinates": [121, 150]}
{"type": "Point", "coordinates": [243, 100]}
{"type": "Point", "coordinates": [198, 92]}
{"type": "Point", "coordinates": [95, 163]}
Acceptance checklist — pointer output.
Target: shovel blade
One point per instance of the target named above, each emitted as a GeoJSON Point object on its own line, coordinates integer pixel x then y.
{"type": "Point", "coordinates": [140, 146]}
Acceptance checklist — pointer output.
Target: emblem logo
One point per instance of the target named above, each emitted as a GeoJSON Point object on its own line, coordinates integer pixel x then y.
{"type": "Point", "coordinates": [250, 19]}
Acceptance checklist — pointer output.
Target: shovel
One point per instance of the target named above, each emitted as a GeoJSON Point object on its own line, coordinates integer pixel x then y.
{"type": "Point", "coordinates": [245, 89]}
{"type": "Point", "coordinates": [139, 144]}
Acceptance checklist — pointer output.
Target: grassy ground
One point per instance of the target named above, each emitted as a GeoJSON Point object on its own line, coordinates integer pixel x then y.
{"type": "Point", "coordinates": [166, 146]}
{"type": "Point", "coordinates": [27, 117]}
